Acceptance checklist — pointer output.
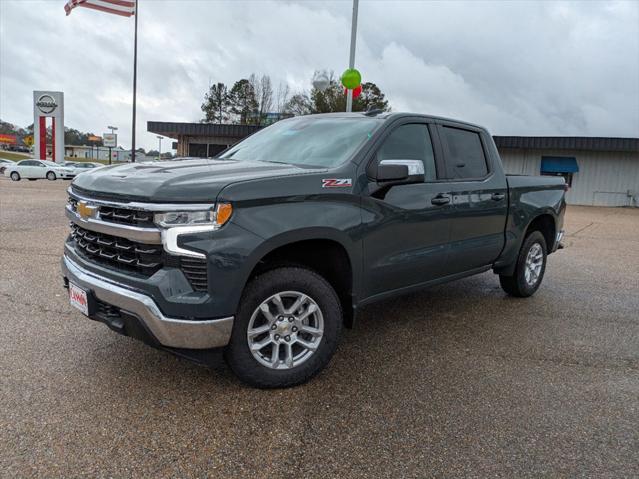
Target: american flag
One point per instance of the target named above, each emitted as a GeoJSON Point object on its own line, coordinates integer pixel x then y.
{"type": "Point", "coordinates": [125, 8]}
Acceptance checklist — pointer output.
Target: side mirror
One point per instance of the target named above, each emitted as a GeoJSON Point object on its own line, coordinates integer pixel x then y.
{"type": "Point", "coordinates": [400, 172]}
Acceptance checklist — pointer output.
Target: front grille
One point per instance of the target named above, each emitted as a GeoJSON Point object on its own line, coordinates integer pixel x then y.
{"type": "Point", "coordinates": [138, 258]}
{"type": "Point", "coordinates": [118, 253]}
{"type": "Point", "coordinates": [125, 216]}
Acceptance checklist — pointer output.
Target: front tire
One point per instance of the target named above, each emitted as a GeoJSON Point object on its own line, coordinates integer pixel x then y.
{"type": "Point", "coordinates": [15, 176]}
{"type": "Point", "coordinates": [286, 330]}
{"type": "Point", "coordinates": [530, 268]}
{"type": "Point", "coordinates": [51, 176]}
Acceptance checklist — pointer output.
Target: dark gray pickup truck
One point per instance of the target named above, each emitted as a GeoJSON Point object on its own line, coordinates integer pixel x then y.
{"type": "Point", "coordinates": [269, 249]}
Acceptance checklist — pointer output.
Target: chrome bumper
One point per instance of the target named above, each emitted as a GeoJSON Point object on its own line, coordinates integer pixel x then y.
{"type": "Point", "coordinates": [170, 332]}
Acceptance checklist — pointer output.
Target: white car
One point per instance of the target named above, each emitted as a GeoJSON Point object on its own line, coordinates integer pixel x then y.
{"type": "Point", "coordinates": [4, 163]}
{"type": "Point", "coordinates": [36, 169]}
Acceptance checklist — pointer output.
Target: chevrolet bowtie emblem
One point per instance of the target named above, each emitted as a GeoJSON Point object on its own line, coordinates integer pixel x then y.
{"type": "Point", "coordinates": [86, 210]}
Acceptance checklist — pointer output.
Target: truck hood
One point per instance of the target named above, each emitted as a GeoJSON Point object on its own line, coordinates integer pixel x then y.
{"type": "Point", "coordinates": [184, 181]}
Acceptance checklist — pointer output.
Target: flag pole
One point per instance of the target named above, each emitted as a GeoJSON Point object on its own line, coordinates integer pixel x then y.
{"type": "Point", "coordinates": [351, 58]}
{"type": "Point", "coordinates": [135, 79]}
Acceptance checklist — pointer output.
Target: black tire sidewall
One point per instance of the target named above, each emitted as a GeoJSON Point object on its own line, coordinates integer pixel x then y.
{"type": "Point", "coordinates": [237, 353]}
{"type": "Point", "coordinates": [523, 286]}
{"type": "Point", "coordinates": [54, 176]}
{"type": "Point", "coordinates": [15, 176]}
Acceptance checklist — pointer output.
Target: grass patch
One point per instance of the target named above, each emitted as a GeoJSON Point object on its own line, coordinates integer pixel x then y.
{"type": "Point", "coordinates": [12, 155]}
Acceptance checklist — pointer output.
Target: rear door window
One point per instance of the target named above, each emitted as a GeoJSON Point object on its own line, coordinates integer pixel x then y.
{"type": "Point", "coordinates": [465, 157]}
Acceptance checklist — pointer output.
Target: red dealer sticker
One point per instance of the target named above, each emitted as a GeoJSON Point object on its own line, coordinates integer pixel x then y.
{"type": "Point", "coordinates": [337, 183]}
{"type": "Point", "coordinates": [78, 298]}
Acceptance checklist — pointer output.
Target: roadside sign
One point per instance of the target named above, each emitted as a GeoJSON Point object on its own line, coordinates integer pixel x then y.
{"type": "Point", "coordinates": [10, 139]}
{"type": "Point", "coordinates": [94, 138]}
{"type": "Point", "coordinates": [110, 140]}
{"type": "Point", "coordinates": [28, 140]}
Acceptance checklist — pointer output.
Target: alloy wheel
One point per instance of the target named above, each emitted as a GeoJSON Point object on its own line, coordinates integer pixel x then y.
{"type": "Point", "coordinates": [285, 330]}
{"type": "Point", "coordinates": [534, 263]}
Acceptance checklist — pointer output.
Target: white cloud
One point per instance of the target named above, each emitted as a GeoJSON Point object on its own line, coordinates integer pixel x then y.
{"type": "Point", "coordinates": [516, 67]}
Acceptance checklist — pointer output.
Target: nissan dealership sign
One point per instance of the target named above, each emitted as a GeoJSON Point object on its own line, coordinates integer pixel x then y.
{"type": "Point", "coordinates": [46, 104]}
{"type": "Point", "coordinates": [48, 112]}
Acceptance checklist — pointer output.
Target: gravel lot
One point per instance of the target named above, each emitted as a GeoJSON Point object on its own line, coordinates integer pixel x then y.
{"type": "Point", "coordinates": [457, 381]}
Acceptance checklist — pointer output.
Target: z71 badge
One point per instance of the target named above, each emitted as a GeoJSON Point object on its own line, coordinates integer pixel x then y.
{"type": "Point", "coordinates": [337, 183]}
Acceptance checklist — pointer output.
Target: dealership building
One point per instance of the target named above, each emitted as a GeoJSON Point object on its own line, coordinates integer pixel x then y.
{"type": "Point", "coordinates": [601, 171]}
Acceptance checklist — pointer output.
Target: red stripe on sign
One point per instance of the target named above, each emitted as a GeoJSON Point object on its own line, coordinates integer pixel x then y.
{"type": "Point", "coordinates": [122, 3]}
{"type": "Point", "coordinates": [42, 155]}
{"type": "Point", "coordinates": [106, 9]}
{"type": "Point", "coordinates": [53, 139]}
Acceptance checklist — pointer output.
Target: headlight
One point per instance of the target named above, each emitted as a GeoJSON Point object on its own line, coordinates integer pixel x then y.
{"type": "Point", "coordinates": [213, 216]}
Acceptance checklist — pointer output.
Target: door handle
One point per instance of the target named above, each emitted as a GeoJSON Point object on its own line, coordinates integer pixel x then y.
{"type": "Point", "coordinates": [440, 200]}
{"type": "Point", "coordinates": [497, 196]}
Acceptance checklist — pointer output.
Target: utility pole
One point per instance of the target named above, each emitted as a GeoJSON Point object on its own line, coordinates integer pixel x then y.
{"type": "Point", "coordinates": [135, 79]}
{"type": "Point", "coordinates": [351, 60]}
{"type": "Point", "coordinates": [159, 148]}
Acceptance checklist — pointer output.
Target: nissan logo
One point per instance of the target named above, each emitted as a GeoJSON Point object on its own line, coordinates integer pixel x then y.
{"type": "Point", "coordinates": [46, 104]}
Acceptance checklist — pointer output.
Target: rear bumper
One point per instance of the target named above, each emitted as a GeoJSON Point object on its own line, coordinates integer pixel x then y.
{"type": "Point", "coordinates": [165, 331]}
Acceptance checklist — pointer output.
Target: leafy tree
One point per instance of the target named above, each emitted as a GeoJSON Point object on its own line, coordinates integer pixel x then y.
{"type": "Point", "coordinates": [333, 99]}
{"type": "Point", "coordinates": [75, 137]}
{"type": "Point", "coordinates": [299, 104]}
{"type": "Point", "coordinates": [217, 104]}
{"type": "Point", "coordinates": [371, 98]}
{"type": "Point", "coordinates": [330, 100]}
{"type": "Point", "coordinates": [243, 100]}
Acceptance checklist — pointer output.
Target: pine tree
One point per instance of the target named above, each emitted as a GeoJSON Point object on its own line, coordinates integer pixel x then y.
{"type": "Point", "coordinates": [217, 104]}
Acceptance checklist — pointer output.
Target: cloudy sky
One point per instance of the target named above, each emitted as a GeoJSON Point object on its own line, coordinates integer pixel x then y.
{"type": "Point", "coordinates": [519, 68]}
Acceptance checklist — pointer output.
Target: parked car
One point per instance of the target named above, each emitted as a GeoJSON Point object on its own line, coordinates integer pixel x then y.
{"type": "Point", "coordinates": [4, 163]}
{"type": "Point", "coordinates": [20, 148]}
{"type": "Point", "coordinates": [82, 166]}
{"type": "Point", "coordinates": [37, 169]}
{"type": "Point", "coordinates": [268, 250]}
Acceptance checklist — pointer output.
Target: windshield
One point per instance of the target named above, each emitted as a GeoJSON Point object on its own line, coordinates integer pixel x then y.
{"type": "Point", "coordinates": [306, 141]}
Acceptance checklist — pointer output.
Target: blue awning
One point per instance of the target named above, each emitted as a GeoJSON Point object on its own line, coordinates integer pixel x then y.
{"type": "Point", "coordinates": [559, 164]}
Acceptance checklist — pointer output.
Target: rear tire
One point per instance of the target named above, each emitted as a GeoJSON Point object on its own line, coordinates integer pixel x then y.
{"type": "Point", "coordinates": [276, 344]}
{"type": "Point", "coordinates": [15, 176]}
{"type": "Point", "coordinates": [530, 268]}
{"type": "Point", "coordinates": [51, 176]}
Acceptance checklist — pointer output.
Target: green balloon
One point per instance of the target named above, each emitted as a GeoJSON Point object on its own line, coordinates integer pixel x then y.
{"type": "Point", "coordinates": [351, 78]}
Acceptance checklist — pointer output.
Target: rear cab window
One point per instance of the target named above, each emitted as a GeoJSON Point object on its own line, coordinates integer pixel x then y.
{"type": "Point", "coordinates": [465, 157]}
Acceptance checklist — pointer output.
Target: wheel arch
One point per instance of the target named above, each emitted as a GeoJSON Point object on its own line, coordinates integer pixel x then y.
{"type": "Point", "coordinates": [546, 224]}
{"type": "Point", "coordinates": [326, 251]}
{"type": "Point", "coordinates": [544, 221]}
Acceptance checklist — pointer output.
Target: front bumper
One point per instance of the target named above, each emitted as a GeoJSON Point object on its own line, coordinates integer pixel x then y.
{"type": "Point", "coordinates": [165, 331]}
